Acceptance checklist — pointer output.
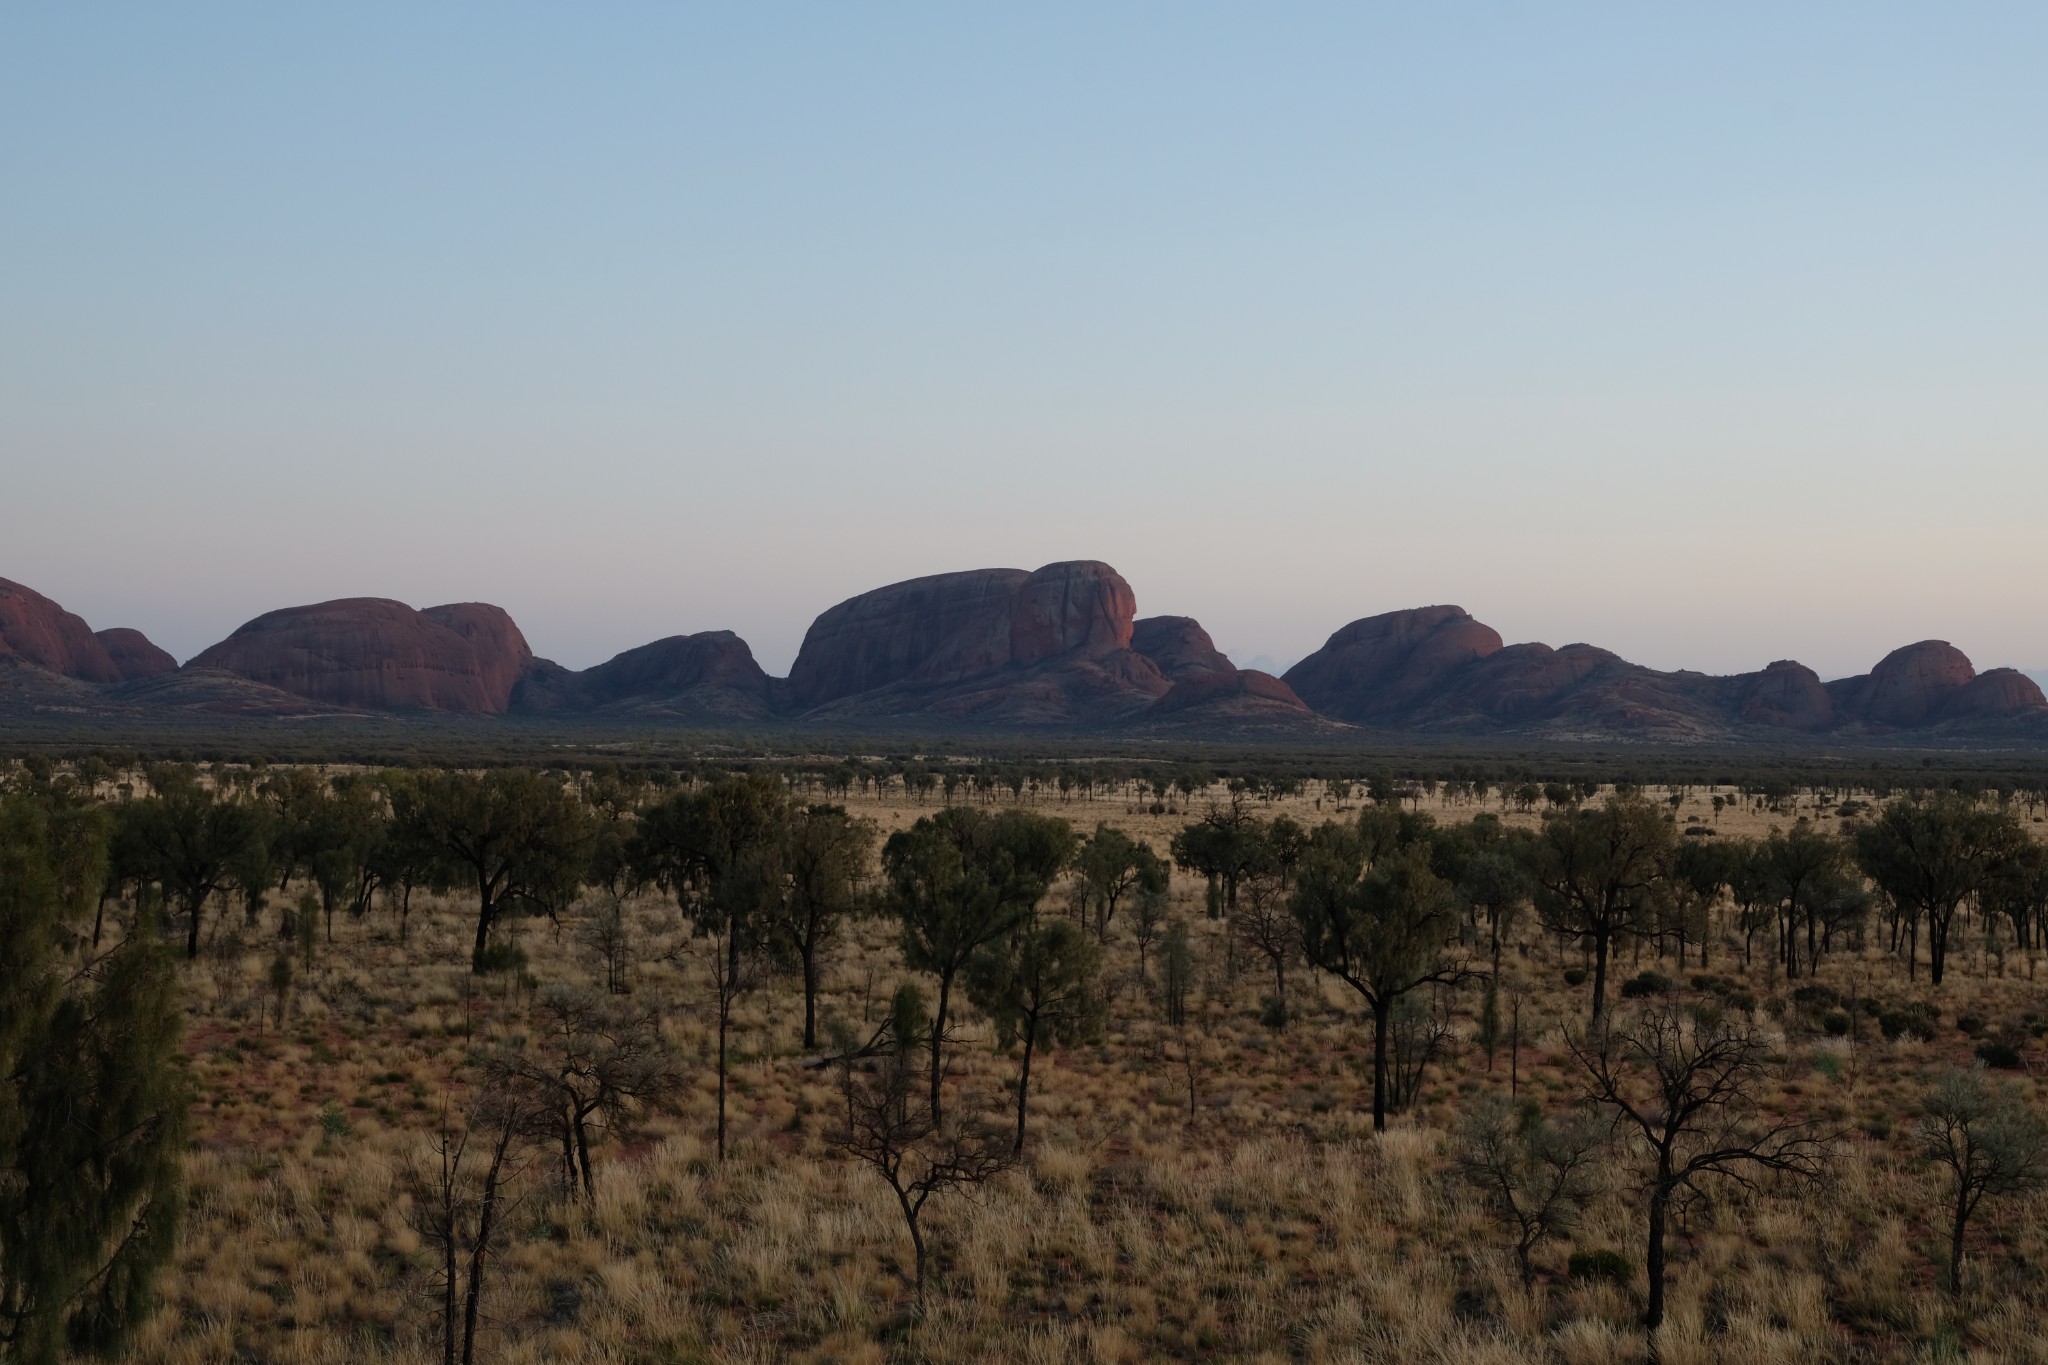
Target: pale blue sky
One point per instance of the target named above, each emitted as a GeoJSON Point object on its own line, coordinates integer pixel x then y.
{"type": "Point", "coordinates": [1710, 334]}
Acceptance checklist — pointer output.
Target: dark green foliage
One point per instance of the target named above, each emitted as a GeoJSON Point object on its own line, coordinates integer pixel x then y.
{"type": "Point", "coordinates": [93, 1110]}
{"type": "Point", "coordinates": [1644, 984]}
{"type": "Point", "coordinates": [522, 839]}
{"type": "Point", "coordinates": [1039, 989]}
{"type": "Point", "coordinates": [1177, 971]}
{"type": "Point", "coordinates": [1605, 1264]}
{"type": "Point", "coordinates": [1373, 915]}
{"type": "Point", "coordinates": [189, 838]}
{"type": "Point", "coordinates": [1999, 1056]}
{"type": "Point", "coordinates": [960, 880]}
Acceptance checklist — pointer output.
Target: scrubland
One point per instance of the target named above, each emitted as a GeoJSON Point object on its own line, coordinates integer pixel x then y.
{"type": "Point", "coordinates": [1207, 1191]}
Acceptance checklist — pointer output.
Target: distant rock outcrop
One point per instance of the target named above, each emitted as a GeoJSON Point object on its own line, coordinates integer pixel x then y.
{"type": "Point", "coordinates": [133, 654]}
{"type": "Point", "coordinates": [1907, 688]}
{"type": "Point", "coordinates": [369, 652]}
{"type": "Point", "coordinates": [37, 631]}
{"type": "Point", "coordinates": [1179, 647]}
{"type": "Point", "coordinates": [1000, 646]}
{"type": "Point", "coordinates": [1996, 694]}
{"type": "Point", "coordinates": [707, 676]}
{"type": "Point", "coordinates": [1375, 669]}
{"type": "Point", "coordinates": [991, 649]}
{"type": "Point", "coordinates": [1435, 669]}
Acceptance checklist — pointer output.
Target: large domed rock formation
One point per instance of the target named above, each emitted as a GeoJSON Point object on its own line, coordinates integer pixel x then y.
{"type": "Point", "coordinates": [1000, 645]}
{"type": "Point", "coordinates": [134, 655]}
{"type": "Point", "coordinates": [372, 653]}
{"type": "Point", "coordinates": [1179, 647]}
{"type": "Point", "coordinates": [37, 631]}
{"type": "Point", "coordinates": [708, 676]}
{"type": "Point", "coordinates": [1995, 694]}
{"type": "Point", "coordinates": [1377, 668]}
{"type": "Point", "coordinates": [1908, 687]}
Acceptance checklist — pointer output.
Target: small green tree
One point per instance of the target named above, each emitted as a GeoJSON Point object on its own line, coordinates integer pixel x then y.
{"type": "Point", "coordinates": [93, 1109]}
{"type": "Point", "coordinates": [959, 880]}
{"type": "Point", "coordinates": [191, 839]}
{"type": "Point", "coordinates": [1109, 866]}
{"type": "Point", "coordinates": [1534, 1173]}
{"type": "Point", "coordinates": [1989, 1141]}
{"type": "Point", "coordinates": [522, 839]}
{"type": "Point", "coordinates": [1596, 871]}
{"type": "Point", "coordinates": [1381, 931]}
{"type": "Point", "coordinates": [825, 854]}
{"type": "Point", "coordinates": [1039, 988]}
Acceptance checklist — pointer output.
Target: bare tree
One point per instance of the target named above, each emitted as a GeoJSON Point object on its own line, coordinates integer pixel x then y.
{"type": "Point", "coordinates": [890, 1128]}
{"type": "Point", "coordinates": [595, 1060]}
{"type": "Point", "coordinates": [1264, 924]}
{"type": "Point", "coordinates": [1990, 1143]}
{"type": "Point", "coordinates": [1534, 1173]}
{"type": "Point", "coordinates": [461, 1195]}
{"type": "Point", "coordinates": [608, 934]}
{"type": "Point", "coordinates": [1684, 1092]}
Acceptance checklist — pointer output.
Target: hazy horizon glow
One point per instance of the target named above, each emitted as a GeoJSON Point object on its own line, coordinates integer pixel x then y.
{"type": "Point", "coordinates": [1711, 338]}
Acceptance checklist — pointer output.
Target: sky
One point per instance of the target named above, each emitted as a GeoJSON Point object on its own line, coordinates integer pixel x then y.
{"type": "Point", "coordinates": [1709, 334]}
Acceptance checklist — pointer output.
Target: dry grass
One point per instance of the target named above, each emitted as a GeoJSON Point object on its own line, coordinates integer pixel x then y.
{"type": "Point", "coordinates": [1269, 1226]}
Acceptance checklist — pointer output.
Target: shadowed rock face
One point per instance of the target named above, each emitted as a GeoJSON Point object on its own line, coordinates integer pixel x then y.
{"type": "Point", "coordinates": [374, 653]}
{"type": "Point", "coordinates": [1436, 669]}
{"type": "Point", "coordinates": [134, 655]}
{"type": "Point", "coordinates": [1907, 688]}
{"type": "Point", "coordinates": [952, 625]}
{"type": "Point", "coordinates": [1995, 694]}
{"type": "Point", "coordinates": [1374, 669]}
{"type": "Point", "coordinates": [502, 655]}
{"type": "Point", "coordinates": [710, 674]}
{"type": "Point", "coordinates": [37, 631]}
{"type": "Point", "coordinates": [1179, 646]}
{"type": "Point", "coordinates": [952, 629]}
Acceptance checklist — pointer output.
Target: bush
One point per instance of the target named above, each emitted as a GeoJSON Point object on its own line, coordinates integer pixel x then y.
{"type": "Point", "coordinates": [1575, 976]}
{"type": "Point", "coordinates": [1971, 1024]}
{"type": "Point", "coordinates": [1646, 983]}
{"type": "Point", "coordinates": [1999, 1056]}
{"type": "Point", "coordinates": [1742, 1000]}
{"type": "Point", "coordinates": [1601, 1265]}
{"type": "Point", "coordinates": [502, 957]}
{"type": "Point", "coordinates": [1909, 1021]}
{"type": "Point", "coordinates": [1815, 995]}
{"type": "Point", "coordinates": [1835, 1022]}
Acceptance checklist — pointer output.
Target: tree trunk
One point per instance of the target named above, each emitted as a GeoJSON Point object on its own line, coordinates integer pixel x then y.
{"type": "Point", "coordinates": [198, 908]}
{"type": "Point", "coordinates": [447, 1261]}
{"type": "Point", "coordinates": [1653, 1318]}
{"type": "Point", "coordinates": [1380, 1010]}
{"type": "Point", "coordinates": [810, 954]}
{"type": "Point", "coordinates": [938, 1035]}
{"type": "Point", "coordinates": [1600, 971]}
{"type": "Point", "coordinates": [485, 1225]}
{"type": "Point", "coordinates": [1955, 1243]}
{"type": "Point", "coordinates": [1024, 1081]}
{"type": "Point", "coordinates": [484, 915]}
{"type": "Point", "coordinates": [583, 1157]}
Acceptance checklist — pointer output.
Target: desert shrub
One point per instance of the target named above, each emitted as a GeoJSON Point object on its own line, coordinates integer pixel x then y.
{"type": "Point", "coordinates": [1916, 1020]}
{"type": "Point", "coordinates": [1575, 976]}
{"type": "Point", "coordinates": [1605, 1264]}
{"type": "Point", "coordinates": [1835, 1023]}
{"type": "Point", "coordinates": [2000, 1056]}
{"type": "Point", "coordinates": [1816, 996]}
{"type": "Point", "coordinates": [1971, 1024]}
{"type": "Point", "coordinates": [1646, 983]}
{"type": "Point", "coordinates": [501, 957]}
